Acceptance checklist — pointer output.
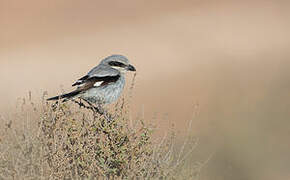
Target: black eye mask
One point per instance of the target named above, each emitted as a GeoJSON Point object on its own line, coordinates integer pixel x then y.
{"type": "Point", "coordinates": [118, 64]}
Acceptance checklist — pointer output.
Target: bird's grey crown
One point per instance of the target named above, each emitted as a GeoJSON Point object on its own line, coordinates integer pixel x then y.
{"type": "Point", "coordinates": [103, 69]}
{"type": "Point", "coordinates": [115, 57]}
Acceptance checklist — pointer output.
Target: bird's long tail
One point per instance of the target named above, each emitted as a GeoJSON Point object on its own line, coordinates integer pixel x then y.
{"type": "Point", "coordinates": [67, 96]}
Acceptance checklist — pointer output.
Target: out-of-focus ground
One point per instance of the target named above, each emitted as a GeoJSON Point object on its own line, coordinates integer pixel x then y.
{"type": "Point", "coordinates": [230, 57]}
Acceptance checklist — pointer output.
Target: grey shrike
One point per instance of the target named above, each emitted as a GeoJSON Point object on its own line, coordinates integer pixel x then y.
{"type": "Point", "coordinates": [103, 84]}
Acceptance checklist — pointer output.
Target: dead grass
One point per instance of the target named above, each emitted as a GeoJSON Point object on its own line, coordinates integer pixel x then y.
{"type": "Point", "coordinates": [69, 142]}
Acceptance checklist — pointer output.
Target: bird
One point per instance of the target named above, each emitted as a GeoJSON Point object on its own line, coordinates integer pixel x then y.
{"type": "Point", "coordinates": [103, 84]}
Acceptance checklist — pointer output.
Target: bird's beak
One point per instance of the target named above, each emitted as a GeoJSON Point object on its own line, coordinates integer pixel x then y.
{"type": "Point", "coordinates": [131, 68]}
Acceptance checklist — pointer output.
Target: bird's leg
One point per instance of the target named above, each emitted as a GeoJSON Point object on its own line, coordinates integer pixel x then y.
{"type": "Point", "coordinates": [81, 104]}
{"type": "Point", "coordinates": [100, 110]}
{"type": "Point", "coordinates": [93, 108]}
{"type": "Point", "coordinates": [106, 114]}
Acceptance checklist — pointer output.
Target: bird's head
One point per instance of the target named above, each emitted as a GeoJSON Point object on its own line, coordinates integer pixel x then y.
{"type": "Point", "coordinates": [118, 62]}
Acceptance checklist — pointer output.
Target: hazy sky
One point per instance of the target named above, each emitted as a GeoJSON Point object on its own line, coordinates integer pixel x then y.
{"type": "Point", "coordinates": [232, 57]}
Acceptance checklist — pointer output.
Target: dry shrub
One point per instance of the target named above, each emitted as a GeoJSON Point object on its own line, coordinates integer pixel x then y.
{"type": "Point", "coordinates": [69, 142]}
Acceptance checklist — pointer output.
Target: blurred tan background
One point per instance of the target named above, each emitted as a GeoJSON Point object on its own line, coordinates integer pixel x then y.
{"type": "Point", "coordinates": [230, 57]}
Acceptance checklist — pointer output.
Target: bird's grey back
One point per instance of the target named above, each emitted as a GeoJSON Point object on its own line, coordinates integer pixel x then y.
{"type": "Point", "coordinates": [103, 70]}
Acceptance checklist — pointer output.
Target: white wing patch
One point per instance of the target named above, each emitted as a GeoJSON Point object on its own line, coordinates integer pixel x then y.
{"type": "Point", "coordinates": [97, 84]}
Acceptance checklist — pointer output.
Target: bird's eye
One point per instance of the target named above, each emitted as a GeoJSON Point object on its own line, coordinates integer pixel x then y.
{"type": "Point", "coordinates": [115, 63]}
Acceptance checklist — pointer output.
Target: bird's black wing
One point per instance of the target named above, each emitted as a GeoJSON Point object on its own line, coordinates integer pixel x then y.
{"type": "Point", "coordinates": [81, 80]}
{"type": "Point", "coordinates": [86, 83]}
{"type": "Point", "coordinates": [67, 96]}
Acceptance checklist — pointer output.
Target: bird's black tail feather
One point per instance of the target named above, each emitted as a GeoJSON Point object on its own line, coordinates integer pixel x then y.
{"type": "Point", "coordinates": [68, 95]}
